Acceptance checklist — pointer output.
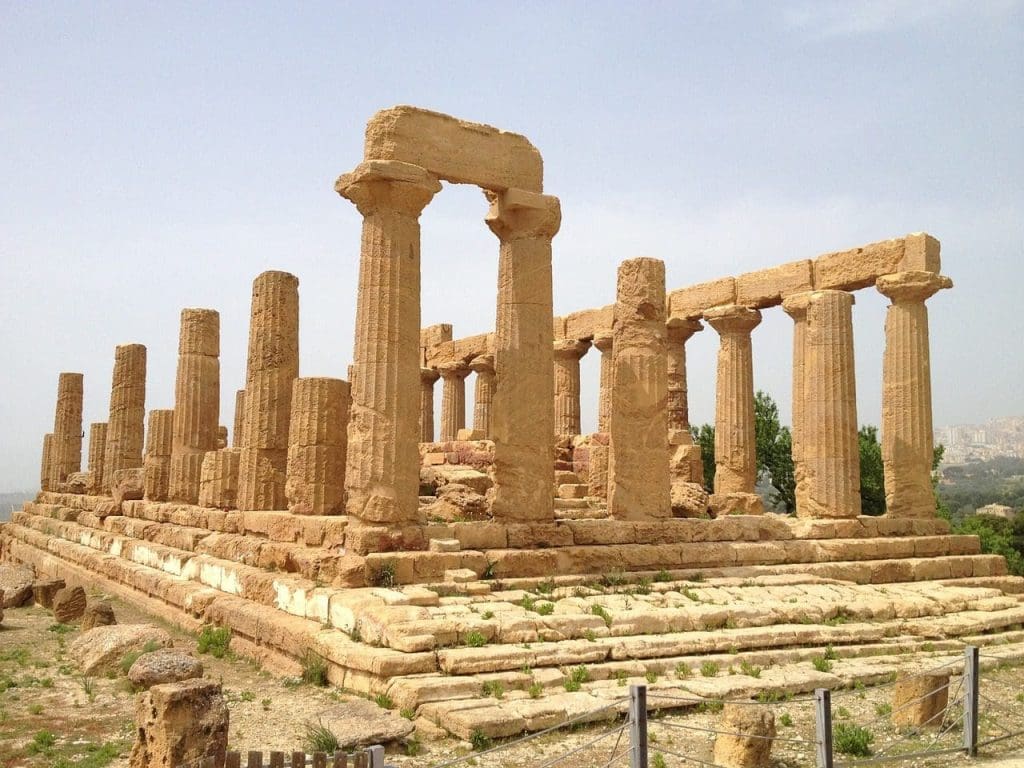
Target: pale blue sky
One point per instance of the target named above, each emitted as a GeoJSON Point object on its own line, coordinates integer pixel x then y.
{"type": "Point", "coordinates": [156, 156]}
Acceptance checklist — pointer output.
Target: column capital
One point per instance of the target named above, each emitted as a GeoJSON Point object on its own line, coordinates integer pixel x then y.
{"type": "Point", "coordinates": [911, 287]}
{"type": "Point", "coordinates": [516, 214]}
{"type": "Point", "coordinates": [482, 364]}
{"type": "Point", "coordinates": [571, 349]}
{"type": "Point", "coordinates": [389, 185]}
{"type": "Point", "coordinates": [603, 340]}
{"type": "Point", "coordinates": [732, 318]}
{"type": "Point", "coordinates": [429, 375]}
{"type": "Point", "coordinates": [679, 331]}
{"type": "Point", "coordinates": [796, 305]}
{"type": "Point", "coordinates": [455, 369]}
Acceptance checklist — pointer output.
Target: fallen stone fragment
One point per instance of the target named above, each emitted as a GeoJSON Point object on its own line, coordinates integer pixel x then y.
{"type": "Point", "coordinates": [15, 585]}
{"type": "Point", "coordinates": [102, 649]}
{"type": "Point", "coordinates": [44, 590]}
{"type": "Point", "coordinates": [164, 666]}
{"type": "Point", "coordinates": [69, 604]}
{"type": "Point", "coordinates": [360, 723]}
{"type": "Point", "coordinates": [98, 615]}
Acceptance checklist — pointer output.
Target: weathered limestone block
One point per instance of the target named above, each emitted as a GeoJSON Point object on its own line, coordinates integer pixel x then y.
{"type": "Point", "coordinates": [522, 420]}
{"type": "Point", "coordinates": [44, 590]}
{"type": "Point", "coordinates": [67, 429]}
{"type": "Point", "coordinates": [567, 354]}
{"type": "Point", "coordinates": [689, 499]}
{"type": "Point", "coordinates": [638, 473]}
{"type": "Point", "coordinates": [273, 364]}
{"type": "Point", "coordinates": [907, 436]}
{"type": "Point", "coordinates": [196, 400]}
{"type": "Point", "coordinates": [454, 150]}
{"type": "Point", "coordinates": [453, 398]}
{"type": "Point", "coordinates": [588, 323]}
{"type": "Point", "coordinates": [97, 448]}
{"type": "Point", "coordinates": [318, 437]}
{"type": "Point", "coordinates": [753, 748]}
{"type": "Point", "coordinates": [180, 724]}
{"type": "Point", "coordinates": [15, 585]}
{"type": "Point", "coordinates": [678, 333]}
{"type": "Point", "coordinates": [861, 267]}
{"type": "Point", "coordinates": [102, 648]}
{"type": "Point", "coordinates": [218, 483]}
{"type": "Point", "coordinates": [692, 302]}
{"type": "Point", "coordinates": [427, 378]}
{"type": "Point", "coordinates": [128, 484]}
{"type": "Point", "coordinates": [157, 464]}
{"type": "Point", "coordinates": [125, 426]}
{"type": "Point", "coordinates": [920, 700]}
{"type": "Point", "coordinates": [382, 467]}
{"type": "Point", "coordinates": [46, 470]}
{"type": "Point", "coordinates": [166, 665]}
{"type": "Point", "coordinates": [768, 287]}
{"type": "Point", "coordinates": [98, 615]}
{"type": "Point", "coordinates": [76, 482]}
{"type": "Point", "coordinates": [597, 474]}
{"type": "Point", "coordinates": [685, 463]}
{"type": "Point", "coordinates": [603, 344]}
{"type": "Point", "coordinates": [735, 460]}
{"type": "Point", "coordinates": [239, 423]}
{"type": "Point", "coordinates": [483, 393]}
{"type": "Point", "coordinates": [69, 604]}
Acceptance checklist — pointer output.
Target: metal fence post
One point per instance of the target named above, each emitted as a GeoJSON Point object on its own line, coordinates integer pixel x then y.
{"type": "Point", "coordinates": [638, 726]}
{"type": "Point", "coordinates": [972, 685]}
{"type": "Point", "coordinates": [823, 727]}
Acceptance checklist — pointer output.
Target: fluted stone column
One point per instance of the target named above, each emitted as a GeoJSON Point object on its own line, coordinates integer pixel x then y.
{"type": "Point", "coordinates": [159, 449]}
{"type": "Point", "coordinates": [97, 447]}
{"type": "Point", "coordinates": [567, 353]}
{"type": "Point", "coordinates": [522, 420]}
{"type": "Point", "coordinates": [678, 333]}
{"type": "Point", "coordinates": [239, 424]}
{"type": "Point", "coordinates": [273, 365]}
{"type": "Point", "coordinates": [638, 471]}
{"type": "Point", "coordinates": [796, 307]}
{"type": "Point", "coordinates": [382, 468]}
{"type": "Point", "coordinates": [126, 424]}
{"type": "Point", "coordinates": [603, 344]}
{"type": "Point", "coordinates": [67, 429]}
{"type": "Point", "coordinates": [218, 483]}
{"type": "Point", "coordinates": [46, 465]}
{"type": "Point", "coordinates": [907, 438]}
{"type": "Point", "coordinates": [427, 378]}
{"type": "Point", "coordinates": [735, 440]}
{"type": "Point", "coordinates": [196, 401]}
{"type": "Point", "coordinates": [453, 398]}
{"type": "Point", "coordinates": [483, 393]}
{"type": "Point", "coordinates": [317, 437]}
{"type": "Point", "coordinates": [831, 449]}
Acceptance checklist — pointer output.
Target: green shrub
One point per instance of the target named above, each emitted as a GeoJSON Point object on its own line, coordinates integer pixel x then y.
{"type": "Point", "coordinates": [662, 576]}
{"type": "Point", "coordinates": [682, 669]}
{"type": "Point", "coordinates": [493, 688]}
{"type": "Point", "coordinates": [479, 740]}
{"type": "Point", "coordinates": [412, 746]}
{"type": "Point", "coordinates": [821, 664]}
{"type": "Point", "coordinates": [577, 676]}
{"type": "Point", "coordinates": [651, 676]}
{"type": "Point", "coordinates": [850, 739]}
{"type": "Point", "coordinates": [709, 669]}
{"type": "Point", "coordinates": [749, 669]}
{"type": "Point", "coordinates": [320, 738]}
{"type": "Point", "coordinates": [830, 653]}
{"type": "Point", "coordinates": [385, 575]}
{"type": "Point", "coordinates": [314, 669]}
{"type": "Point", "coordinates": [785, 720]}
{"type": "Point", "coordinates": [476, 639]}
{"type": "Point", "coordinates": [535, 690]}
{"type": "Point", "coordinates": [885, 708]}
{"type": "Point", "coordinates": [384, 701]}
{"type": "Point", "coordinates": [214, 641]}
{"type": "Point", "coordinates": [600, 610]}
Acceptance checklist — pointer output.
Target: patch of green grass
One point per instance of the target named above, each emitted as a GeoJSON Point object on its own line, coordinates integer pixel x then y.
{"type": "Point", "coordinates": [577, 676]}
{"type": "Point", "coordinates": [850, 739]}
{"type": "Point", "coordinates": [412, 746]}
{"type": "Point", "coordinates": [590, 635]}
{"type": "Point", "coordinates": [35, 709]}
{"type": "Point", "coordinates": [709, 669]}
{"type": "Point", "coordinates": [662, 576]}
{"type": "Point", "coordinates": [384, 701]}
{"type": "Point", "coordinates": [488, 572]}
{"type": "Point", "coordinates": [885, 708]}
{"type": "Point", "coordinates": [830, 653]}
{"type": "Point", "coordinates": [658, 761]}
{"type": "Point", "coordinates": [265, 703]}
{"type": "Point", "coordinates": [682, 669]}
{"type": "Point", "coordinates": [97, 756]}
{"type": "Point", "coordinates": [613, 580]}
{"type": "Point", "coordinates": [314, 669]}
{"type": "Point", "coordinates": [546, 587]}
{"type": "Point", "coordinates": [643, 586]}
{"type": "Point", "coordinates": [247, 696]}
{"type": "Point", "coordinates": [690, 594]}
{"type": "Point", "coordinates": [750, 669]}
{"type": "Point", "coordinates": [545, 609]}
{"type": "Point", "coordinates": [384, 576]}
{"type": "Point", "coordinates": [928, 647]}
{"type": "Point", "coordinates": [786, 720]}
{"type": "Point", "coordinates": [651, 676]}
{"type": "Point", "coordinates": [841, 713]}
{"type": "Point", "coordinates": [599, 610]}
{"type": "Point", "coordinates": [535, 690]}
{"type": "Point", "coordinates": [42, 742]}
{"type": "Point", "coordinates": [493, 688]}
{"type": "Point", "coordinates": [408, 713]}
{"type": "Point", "coordinates": [476, 639]}
{"type": "Point", "coordinates": [60, 629]}
{"type": "Point", "coordinates": [215, 641]}
{"type": "Point", "coordinates": [479, 740]}
{"type": "Point", "coordinates": [821, 664]}
{"type": "Point", "coordinates": [18, 655]}
{"type": "Point", "coordinates": [487, 615]}
{"type": "Point", "coordinates": [620, 677]}
{"type": "Point", "coordinates": [320, 738]}
{"type": "Point", "coordinates": [711, 705]}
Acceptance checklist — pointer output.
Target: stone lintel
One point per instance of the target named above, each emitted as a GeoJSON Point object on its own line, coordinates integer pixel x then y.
{"type": "Point", "coordinates": [693, 301]}
{"type": "Point", "coordinates": [861, 267]}
{"type": "Point", "coordinates": [767, 287]}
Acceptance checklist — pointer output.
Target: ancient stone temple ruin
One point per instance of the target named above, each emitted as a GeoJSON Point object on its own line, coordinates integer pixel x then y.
{"type": "Point", "coordinates": [420, 554]}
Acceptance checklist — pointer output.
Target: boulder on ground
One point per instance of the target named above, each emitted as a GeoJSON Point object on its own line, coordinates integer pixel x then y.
{"type": "Point", "coordinates": [164, 666]}
{"type": "Point", "coordinates": [44, 590]}
{"type": "Point", "coordinates": [15, 585]}
{"type": "Point", "coordinates": [98, 615]}
{"type": "Point", "coordinates": [101, 650]}
{"type": "Point", "coordinates": [69, 604]}
{"type": "Point", "coordinates": [689, 500]}
{"type": "Point", "coordinates": [360, 723]}
{"type": "Point", "coordinates": [129, 484]}
{"type": "Point", "coordinates": [748, 743]}
{"type": "Point", "coordinates": [182, 723]}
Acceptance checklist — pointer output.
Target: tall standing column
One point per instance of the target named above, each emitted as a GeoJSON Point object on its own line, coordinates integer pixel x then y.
{"type": "Point", "coordinates": [796, 307]}
{"type": "Point", "coordinates": [272, 367]}
{"type": "Point", "coordinates": [316, 451]}
{"type": "Point", "coordinates": [427, 378]}
{"type": "Point", "coordinates": [126, 424]}
{"type": "Point", "coordinates": [453, 398]}
{"type": "Point", "coordinates": [382, 469]}
{"type": "Point", "coordinates": [638, 472]}
{"type": "Point", "coordinates": [159, 450]}
{"type": "Point", "coordinates": [196, 401]}
{"type": "Point", "coordinates": [907, 438]}
{"type": "Point", "coordinates": [603, 344]}
{"type": "Point", "coordinates": [97, 446]}
{"type": "Point", "coordinates": [522, 420]}
{"type": "Point", "coordinates": [238, 427]}
{"type": "Point", "coordinates": [567, 353]}
{"type": "Point", "coordinates": [735, 440]}
{"type": "Point", "coordinates": [67, 429]}
{"type": "Point", "coordinates": [679, 332]}
{"type": "Point", "coordinates": [483, 393]}
{"type": "Point", "coordinates": [46, 465]}
{"type": "Point", "coordinates": [831, 449]}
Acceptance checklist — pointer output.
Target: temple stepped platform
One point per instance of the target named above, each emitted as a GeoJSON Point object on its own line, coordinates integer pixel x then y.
{"type": "Point", "coordinates": [633, 601]}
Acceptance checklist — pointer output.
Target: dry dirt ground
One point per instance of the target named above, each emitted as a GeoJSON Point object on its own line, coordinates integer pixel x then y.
{"type": "Point", "coordinates": [50, 715]}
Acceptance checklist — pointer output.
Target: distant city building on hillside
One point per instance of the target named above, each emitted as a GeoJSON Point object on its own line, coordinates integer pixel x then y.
{"type": "Point", "coordinates": [997, 510]}
{"type": "Point", "coordinates": [979, 442]}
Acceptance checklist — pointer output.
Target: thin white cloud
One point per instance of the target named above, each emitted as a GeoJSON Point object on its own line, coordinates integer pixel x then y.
{"type": "Point", "coordinates": [822, 19]}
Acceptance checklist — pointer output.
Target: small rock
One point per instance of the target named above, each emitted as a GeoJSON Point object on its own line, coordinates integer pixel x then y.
{"type": "Point", "coordinates": [689, 500]}
{"type": "Point", "coordinates": [44, 590]}
{"type": "Point", "coordinates": [98, 615]}
{"type": "Point", "coordinates": [129, 484]}
{"type": "Point", "coordinates": [69, 604]}
{"type": "Point", "coordinates": [360, 722]}
{"type": "Point", "coordinates": [457, 502]}
{"type": "Point", "coordinates": [15, 585]}
{"type": "Point", "coordinates": [164, 666]}
{"type": "Point", "coordinates": [101, 649]}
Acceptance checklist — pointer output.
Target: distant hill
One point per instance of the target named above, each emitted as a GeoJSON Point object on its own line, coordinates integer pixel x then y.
{"type": "Point", "coordinates": [13, 499]}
